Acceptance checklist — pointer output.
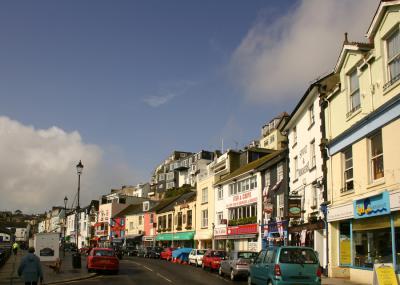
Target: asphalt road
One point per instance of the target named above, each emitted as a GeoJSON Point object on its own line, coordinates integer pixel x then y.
{"type": "Point", "coordinates": [136, 270]}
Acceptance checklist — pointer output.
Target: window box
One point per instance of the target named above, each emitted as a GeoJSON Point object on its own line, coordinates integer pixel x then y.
{"type": "Point", "coordinates": [188, 227]}
{"type": "Point", "coordinates": [179, 228]}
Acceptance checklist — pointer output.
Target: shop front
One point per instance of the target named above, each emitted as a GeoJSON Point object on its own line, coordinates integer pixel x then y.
{"type": "Point", "coordinates": [371, 236]}
{"type": "Point", "coordinates": [180, 239]}
{"type": "Point", "coordinates": [243, 237]}
{"type": "Point", "coordinates": [220, 237]}
{"type": "Point", "coordinates": [203, 239]}
{"type": "Point", "coordinates": [148, 240]}
{"type": "Point", "coordinates": [275, 233]}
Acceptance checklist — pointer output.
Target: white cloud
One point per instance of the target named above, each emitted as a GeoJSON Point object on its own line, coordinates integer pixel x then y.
{"type": "Point", "coordinates": [37, 168]}
{"type": "Point", "coordinates": [277, 60]}
{"type": "Point", "coordinates": [156, 101]}
{"type": "Point", "coordinates": [168, 91]}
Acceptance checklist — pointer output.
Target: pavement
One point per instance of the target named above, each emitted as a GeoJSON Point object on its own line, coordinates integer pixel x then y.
{"type": "Point", "coordinates": [8, 272]}
{"type": "Point", "coordinates": [339, 281]}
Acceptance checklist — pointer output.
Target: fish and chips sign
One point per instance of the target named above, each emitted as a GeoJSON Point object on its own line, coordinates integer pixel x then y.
{"type": "Point", "coordinates": [242, 199]}
{"type": "Point", "coordinates": [294, 206]}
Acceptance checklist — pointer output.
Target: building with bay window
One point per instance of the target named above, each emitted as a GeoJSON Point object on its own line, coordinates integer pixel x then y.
{"type": "Point", "coordinates": [362, 128]}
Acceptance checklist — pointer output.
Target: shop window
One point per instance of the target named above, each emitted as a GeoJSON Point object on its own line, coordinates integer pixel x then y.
{"type": "Point", "coordinates": [372, 247]}
{"type": "Point", "coordinates": [169, 220]}
{"type": "Point", "coordinates": [376, 154]}
{"type": "Point", "coordinates": [344, 244]}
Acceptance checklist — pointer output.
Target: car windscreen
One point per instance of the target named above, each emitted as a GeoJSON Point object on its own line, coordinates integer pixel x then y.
{"type": "Point", "coordinates": [218, 254]}
{"type": "Point", "coordinates": [247, 255]}
{"type": "Point", "coordinates": [298, 256]}
{"type": "Point", "coordinates": [201, 252]}
{"type": "Point", "coordinates": [103, 253]}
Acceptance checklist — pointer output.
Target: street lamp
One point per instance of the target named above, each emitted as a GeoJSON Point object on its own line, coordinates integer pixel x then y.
{"type": "Point", "coordinates": [76, 260]}
{"type": "Point", "coordinates": [213, 237]}
{"type": "Point", "coordinates": [65, 221]}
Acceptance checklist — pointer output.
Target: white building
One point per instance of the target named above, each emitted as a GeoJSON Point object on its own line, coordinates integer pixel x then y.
{"type": "Point", "coordinates": [306, 176]}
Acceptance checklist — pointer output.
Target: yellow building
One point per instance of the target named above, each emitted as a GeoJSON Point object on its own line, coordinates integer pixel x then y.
{"type": "Point", "coordinates": [363, 171]}
{"type": "Point", "coordinates": [205, 211]}
{"type": "Point", "coordinates": [176, 223]}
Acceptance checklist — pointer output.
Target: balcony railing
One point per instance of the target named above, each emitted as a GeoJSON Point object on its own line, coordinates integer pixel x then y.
{"type": "Point", "coordinates": [391, 82]}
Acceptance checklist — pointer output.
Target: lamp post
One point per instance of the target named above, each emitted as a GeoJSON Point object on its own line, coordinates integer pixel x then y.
{"type": "Point", "coordinates": [76, 260]}
{"type": "Point", "coordinates": [213, 238]}
{"type": "Point", "coordinates": [65, 221]}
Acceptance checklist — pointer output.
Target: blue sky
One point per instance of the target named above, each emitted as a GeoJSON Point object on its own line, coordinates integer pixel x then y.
{"type": "Point", "coordinates": [139, 79]}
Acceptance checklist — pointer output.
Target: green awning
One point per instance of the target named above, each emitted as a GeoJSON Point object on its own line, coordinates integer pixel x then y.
{"type": "Point", "coordinates": [184, 236]}
{"type": "Point", "coordinates": [176, 236]}
{"type": "Point", "coordinates": [164, 237]}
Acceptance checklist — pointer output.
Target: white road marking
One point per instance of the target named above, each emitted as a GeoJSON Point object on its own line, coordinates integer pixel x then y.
{"type": "Point", "coordinates": [162, 276]}
{"type": "Point", "coordinates": [148, 268]}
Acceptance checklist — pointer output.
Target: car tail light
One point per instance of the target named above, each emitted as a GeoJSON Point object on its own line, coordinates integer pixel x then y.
{"type": "Point", "coordinates": [277, 270]}
{"type": "Point", "coordinates": [319, 272]}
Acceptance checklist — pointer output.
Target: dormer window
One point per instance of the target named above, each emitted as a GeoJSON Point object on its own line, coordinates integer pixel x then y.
{"type": "Point", "coordinates": [146, 206]}
{"type": "Point", "coordinates": [354, 90]}
{"type": "Point", "coordinates": [393, 52]}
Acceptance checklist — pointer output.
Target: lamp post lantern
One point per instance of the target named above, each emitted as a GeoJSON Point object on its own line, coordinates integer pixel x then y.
{"type": "Point", "coordinates": [65, 221]}
{"type": "Point", "coordinates": [76, 260]}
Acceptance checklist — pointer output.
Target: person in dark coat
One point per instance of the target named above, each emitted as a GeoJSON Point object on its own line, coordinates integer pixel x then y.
{"type": "Point", "coordinates": [30, 268]}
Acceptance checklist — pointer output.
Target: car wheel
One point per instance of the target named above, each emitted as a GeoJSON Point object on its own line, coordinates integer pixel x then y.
{"type": "Point", "coordinates": [220, 273]}
{"type": "Point", "coordinates": [232, 275]}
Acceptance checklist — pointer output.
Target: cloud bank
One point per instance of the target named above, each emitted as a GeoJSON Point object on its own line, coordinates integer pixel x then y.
{"type": "Point", "coordinates": [37, 168]}
{"type": "Point", "coordinates": [276, 61]}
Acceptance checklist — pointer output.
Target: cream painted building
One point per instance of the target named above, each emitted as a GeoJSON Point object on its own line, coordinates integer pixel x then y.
{"type": "Point", "coordinates": [204, 210]}
{"type": "Point", "coordinates": [362, 128]}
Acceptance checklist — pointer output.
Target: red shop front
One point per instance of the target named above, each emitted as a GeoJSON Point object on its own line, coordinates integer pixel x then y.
{"type": "Point", "coordinates": [242, 237]}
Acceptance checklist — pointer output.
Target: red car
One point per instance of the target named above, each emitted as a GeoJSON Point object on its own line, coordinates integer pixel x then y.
{"type": "Point", "coordinates": [102, 259]}
{"type": "Point", "coordinates": [167, 253]}
{"type": "Point", "coordinates": [212, 259]}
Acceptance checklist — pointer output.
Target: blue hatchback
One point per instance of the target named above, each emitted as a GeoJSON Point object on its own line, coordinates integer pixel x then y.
{"type": "Point", "coordinates": [286, 265]}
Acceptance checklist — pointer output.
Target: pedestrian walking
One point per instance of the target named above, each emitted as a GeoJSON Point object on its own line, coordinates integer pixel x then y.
{"type": "Point", "coordinates": [30, 268]}
{"type": "Point", "coordinates": [15, 247]}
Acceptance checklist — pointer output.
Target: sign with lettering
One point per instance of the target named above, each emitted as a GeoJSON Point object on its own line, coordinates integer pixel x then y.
{"type": "Point", "coordinates": [372, 206]}
{"type": "Point", "coordinates": [340, 213]}
{"type": "Point", "coordinates": [243, 229]}
{"type": "Point", "coordinates": [345, 252]}
{"type": "Point", "coordinates": [246, 198]}
{"type": "Point", "coordinates": [384, 274]}
{"type": "Point", "coordinates": [220, 231]}
{"type": "Point", "coordinates": [294, 206]}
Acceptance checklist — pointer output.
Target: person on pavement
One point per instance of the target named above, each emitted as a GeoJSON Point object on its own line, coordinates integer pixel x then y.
{"type": "Point", "coordinates": [30, 268]}
{"type": "Point", "coordinates": [15, 247]}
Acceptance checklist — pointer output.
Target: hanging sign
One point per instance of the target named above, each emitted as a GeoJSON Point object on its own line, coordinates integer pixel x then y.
{"type": "Point", "coordinates": [384, 274]}
{"type": "Point", "coordinates": [294, 206]}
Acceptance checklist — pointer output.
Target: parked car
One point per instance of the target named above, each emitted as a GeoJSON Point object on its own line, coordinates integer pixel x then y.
{"type": "Point", "coordinates": [196, 256]}
{"type": "Point", "coordinates": [144, 251]}
{"type": "Point", "coordinates": [237, 264]}
{"type": "Point", "coordinates": [85, 250]}
{"type": "Point", "coordinates": [130, 251]}
{"type": "Point", "coordinates": [212, 259]}
{"type": "Point", "coordinates": [285, 265]}
{"type": "Point", "coordinates": [102, 259]}
{"type": "Point", "coordinates": [167, 253]}
{"type": "Point", "coordinates": [155, 252]}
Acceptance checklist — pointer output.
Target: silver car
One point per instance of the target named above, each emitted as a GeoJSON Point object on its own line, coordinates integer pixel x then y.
{"type": "Point", "coordinates": [237, 264]}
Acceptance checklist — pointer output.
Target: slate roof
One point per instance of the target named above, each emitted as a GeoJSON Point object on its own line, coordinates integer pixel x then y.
{"type": "Point", "coordinates": [250, 166]}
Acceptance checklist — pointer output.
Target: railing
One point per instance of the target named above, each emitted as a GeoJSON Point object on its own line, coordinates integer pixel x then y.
{"type": "Point", "coordinates": [391, 82]}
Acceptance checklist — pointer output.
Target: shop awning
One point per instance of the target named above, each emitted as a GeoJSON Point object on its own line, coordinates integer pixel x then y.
{"type": "Point", "coordinates": [184, 236]}
{"type": "Point", "coordinates": [133, 236]}
{"type": "Point", "coordinates": [176, 236]}
{"type": "Point", "coordinates": [203, 236]}
{"type": "Point", "coordinates": [164, 237]}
